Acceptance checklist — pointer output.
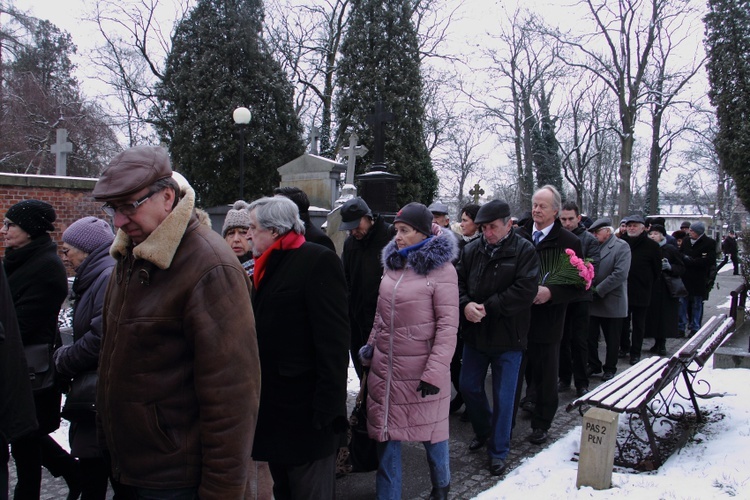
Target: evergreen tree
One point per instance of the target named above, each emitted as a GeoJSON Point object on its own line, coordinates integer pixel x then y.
{"type": "Point", "coordinates": [546, 150]}
{"type": "Point", "coordinates": [380, 62]}
{"type": "Point", "coordinates": [728, 47]}
{"type": "Point", "coordinates": [218, 62]}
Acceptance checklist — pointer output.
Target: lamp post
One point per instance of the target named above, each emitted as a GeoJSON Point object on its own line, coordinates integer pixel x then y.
{"type": "Point", "coordinates": [242, 117]}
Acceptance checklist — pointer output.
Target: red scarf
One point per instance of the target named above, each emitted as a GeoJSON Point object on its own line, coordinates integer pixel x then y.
{"type": "Point", "coordinates": [289, 241]}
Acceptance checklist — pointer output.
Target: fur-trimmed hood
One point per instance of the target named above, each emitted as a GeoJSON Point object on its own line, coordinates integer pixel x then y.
{"type": "Point", "coordinates": [160, 246]}
{"type": "Point", "coordinates": [434, 253]}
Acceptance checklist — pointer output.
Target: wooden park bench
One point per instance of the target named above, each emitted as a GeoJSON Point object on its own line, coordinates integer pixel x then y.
{"type": "Point", "coordinates": [652, 393]}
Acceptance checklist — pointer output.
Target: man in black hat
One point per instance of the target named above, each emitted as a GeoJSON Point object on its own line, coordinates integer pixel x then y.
{"type": "Point", "coordinates": [497, 282]}
{"type": "Point", "coordinates": [699, 253]}
{"type": "Point", "coordinates": [179, 374]}
{"type": "Point", "coordinates": [368, 234]}
{"type": "Point", "coordinates": [440, 217]}
{"type": "Point", "coordinates": [645, 268]}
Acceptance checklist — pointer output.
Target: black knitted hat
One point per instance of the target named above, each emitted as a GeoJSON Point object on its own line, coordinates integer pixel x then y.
{"type": "Point", "coordinates": [33, 216]}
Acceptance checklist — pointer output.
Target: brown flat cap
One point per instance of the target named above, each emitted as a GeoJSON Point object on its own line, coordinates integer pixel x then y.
{"type": "Point", "coordinates": [131, 171]}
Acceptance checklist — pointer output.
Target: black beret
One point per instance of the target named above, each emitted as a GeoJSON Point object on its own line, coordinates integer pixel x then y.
{"type": "Point", "coordinates": [495, 209]}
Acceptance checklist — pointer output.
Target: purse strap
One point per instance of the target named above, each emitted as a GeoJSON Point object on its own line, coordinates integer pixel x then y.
{"type": "Point", "coordinates": [362, 389]}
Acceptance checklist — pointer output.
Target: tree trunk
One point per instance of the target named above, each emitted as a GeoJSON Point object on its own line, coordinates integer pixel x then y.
{"type": "Point", "coordinates": [626, 169]}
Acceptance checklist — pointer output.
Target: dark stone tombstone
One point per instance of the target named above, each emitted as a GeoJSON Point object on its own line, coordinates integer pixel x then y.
{"type": "Point", "coordinates": [378, 187]}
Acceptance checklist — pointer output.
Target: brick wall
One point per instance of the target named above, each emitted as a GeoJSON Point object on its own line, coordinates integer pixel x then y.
{"type": "Point", "coordinates": [70, 196]}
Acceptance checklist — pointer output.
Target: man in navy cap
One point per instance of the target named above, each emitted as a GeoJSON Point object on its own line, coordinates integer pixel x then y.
{"type": "Point", "coordinates": [368, 234]}
{"type": "Point", "coordinates": [497, 282]}
{"type": "Point", "coordinates": [699, 254]}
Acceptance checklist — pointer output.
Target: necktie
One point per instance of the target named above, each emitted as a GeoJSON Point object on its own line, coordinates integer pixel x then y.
{"type": "Point", "coordinates": [537, 236]}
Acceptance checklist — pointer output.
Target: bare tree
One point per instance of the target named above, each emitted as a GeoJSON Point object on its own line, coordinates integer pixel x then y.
{"type": "Point", "coordinates": [523, 63]}
{"type": "Point", "coordinates": [306, 39]}
{"type": "Point", "coordinates": [462, 157]}
{"type": "Point", "coordinates": [665, 83]}
{"type": "Point", "coordinates": [133, 48]}
{"type": "Point", "coordinates": [618, 53]}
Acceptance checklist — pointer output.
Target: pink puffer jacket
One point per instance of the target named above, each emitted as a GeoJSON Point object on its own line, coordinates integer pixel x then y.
{"type": "Point", "coordinates": [414, 336]}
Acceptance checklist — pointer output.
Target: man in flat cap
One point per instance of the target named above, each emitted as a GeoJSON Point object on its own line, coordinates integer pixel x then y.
{"type": "Point", "coordinates": [610, 304]}
{"type": "Point", "coordinates": [699, 254]}
{"type": "Point", "coordinates": [368, 234]}
{"type": "Point", "coordinates": [440, 217]}
{"type": "Point", "coordinates": [497, 282]}
{"type": "Point", "coordinates": [179, 375]}
{"type": "Point", "coordinates": [645, 268]}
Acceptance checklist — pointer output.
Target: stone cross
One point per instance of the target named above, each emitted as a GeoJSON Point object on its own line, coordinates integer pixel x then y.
{"type": "Point", "coordinates": [61, 149]}
{"type": "Point", "coordinates": [378, 120]}
{"type": "Point", "coordinates": [476, 192]}
{"type": "Point", "coordinates": [314, 137]}
{"type": "Point", "coordinates": [352, 152]}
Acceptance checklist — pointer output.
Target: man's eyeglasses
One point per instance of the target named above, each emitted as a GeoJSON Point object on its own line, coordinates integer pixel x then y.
{"type": "Point", "coordinates": [8, 224]}
{"type": "Point", "coordinates": [126, 209]}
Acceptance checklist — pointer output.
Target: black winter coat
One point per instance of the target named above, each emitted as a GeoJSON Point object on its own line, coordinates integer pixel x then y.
{"type": "Point", "coordinates": [548, 319]}
{"type": "Point", "coordinates": [17, 413]}
{"type": "Point", "coordinates": [699, 258]}
{"type": "Point", "coordinates": [89, 289]}
{"type": "Point", "coordinates": [39, 285]}
{"type": "Point", "coordinates": [314, 234]}
{"type": "Point", "coordinates": [363, 270]}
{"type": "Point", "coordinates": [645, 268]}
{"type": "Point", "coordinates": [303, 344]}
{"type": "Point", "coordinates": [661, 321]}
{"type": "Point", "coordinates": [506, 283]}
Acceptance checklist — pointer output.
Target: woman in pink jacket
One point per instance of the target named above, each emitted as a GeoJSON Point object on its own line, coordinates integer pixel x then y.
{"type": "Point", "coordinates": [410, 348]}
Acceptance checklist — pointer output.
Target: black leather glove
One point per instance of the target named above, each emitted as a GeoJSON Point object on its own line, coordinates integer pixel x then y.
{"type": "Point", "coordinates": [427, 389]}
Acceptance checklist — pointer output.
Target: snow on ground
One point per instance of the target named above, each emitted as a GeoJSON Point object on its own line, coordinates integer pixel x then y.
{"type": "Point", "coordinates": [715, 464]}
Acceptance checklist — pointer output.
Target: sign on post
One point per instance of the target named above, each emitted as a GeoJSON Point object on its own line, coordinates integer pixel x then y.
{"type": "Point", "coordinates": [598, 442]}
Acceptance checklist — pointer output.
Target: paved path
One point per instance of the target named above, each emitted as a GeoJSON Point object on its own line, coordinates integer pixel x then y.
{"type": "Point", "coordinates": [469, 475]}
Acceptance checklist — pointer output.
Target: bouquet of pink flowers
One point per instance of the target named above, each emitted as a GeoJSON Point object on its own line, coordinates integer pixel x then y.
{"type": "Point", "coordinates": [566, 268]}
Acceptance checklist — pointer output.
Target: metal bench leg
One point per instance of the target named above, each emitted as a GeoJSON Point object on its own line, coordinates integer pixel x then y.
{"type": "Point", "coordinates": [651, 435]}
{"type": "Point", "coordinates": [698, 414]}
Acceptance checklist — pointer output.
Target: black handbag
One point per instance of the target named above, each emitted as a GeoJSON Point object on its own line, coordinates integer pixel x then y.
{"type": "Point", "coordinates": [41, 367]}
{"type": "Point", "coordinates": [80, 401]}
{"type": "Point", "coordinates": [363, 452]}
{"type": "Point", "coordinates": [675, 286]}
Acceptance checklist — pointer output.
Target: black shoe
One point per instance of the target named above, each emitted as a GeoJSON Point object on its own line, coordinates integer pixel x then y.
{"type": "Point", "coordinates": [477, 442]}
{"type": "Point", "coordinates": [634, 359]}
{"type": "Point", "coordinates": [623, 354]}
{"type": "Point", "coordinates": [528, 406]}
{"type": "Point", "coordinates": [537, 436]}
{"type": "Point", "coordinates": [456, 403]}
{"type": "Point", "coordinates": [654, 348]}
{"type": "Point", "coordinates": [440, 493]}
{"type": "Point", "coordinates": [608, 376]}
{"type": "Point", "coordinates": [497, 466]}
{"type": "Point", "coordinates": [590, 370]}
{"type": "Point", "coordinates": [581, 391]}
{"type": "Point", "coordinates": [562, 386]}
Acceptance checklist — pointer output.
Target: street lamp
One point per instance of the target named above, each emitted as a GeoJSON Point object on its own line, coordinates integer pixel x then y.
{"type": "Point", "coordinates": [242, 117]}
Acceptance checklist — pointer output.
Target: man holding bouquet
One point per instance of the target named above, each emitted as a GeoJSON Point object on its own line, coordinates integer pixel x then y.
{"type": "Point", "coordinates": [559, 283]}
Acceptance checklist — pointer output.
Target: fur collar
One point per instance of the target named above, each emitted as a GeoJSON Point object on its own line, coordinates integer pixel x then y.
{"type": "Point", "coordinates": [437, 251]}
{"type": "Point", "coordinates": [160, 246]}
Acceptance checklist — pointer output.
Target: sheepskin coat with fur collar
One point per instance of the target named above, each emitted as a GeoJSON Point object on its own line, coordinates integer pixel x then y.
{"type": "Point", "coordinates": [179, 375]}
{"type": "Point", "coordinates": [414, 336]}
